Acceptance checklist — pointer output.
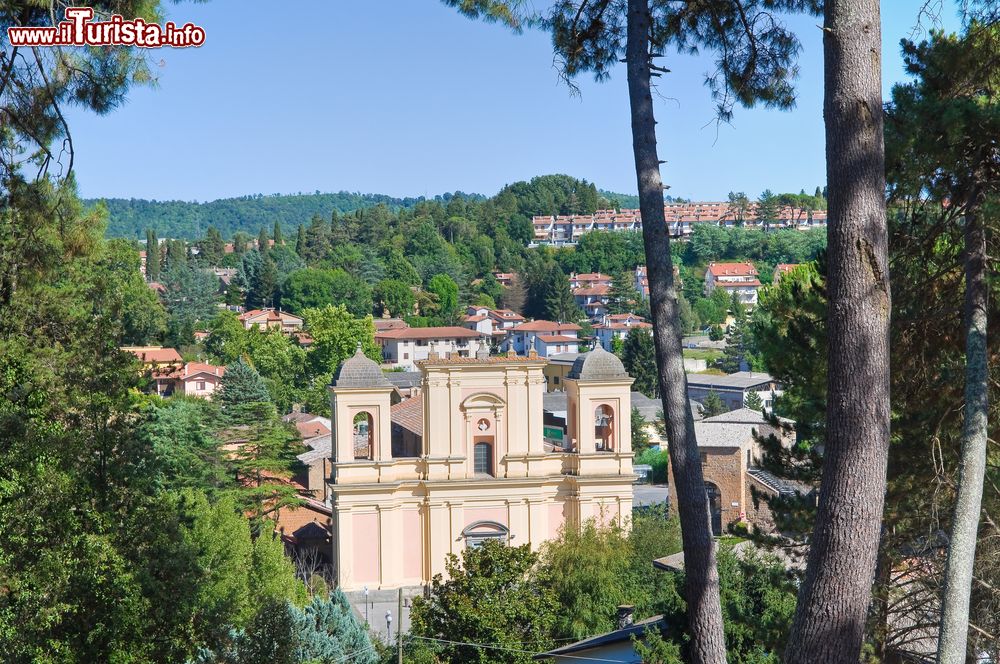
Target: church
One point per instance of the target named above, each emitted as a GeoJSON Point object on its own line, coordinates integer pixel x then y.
{"type": "Point", "coordinates": [467, 459]}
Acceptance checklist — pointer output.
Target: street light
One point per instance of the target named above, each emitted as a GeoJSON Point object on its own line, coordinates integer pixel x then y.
{"type": "Point", "coordinates": [366, 603]}
{"type": "Point", "coordinates": [388, 623]}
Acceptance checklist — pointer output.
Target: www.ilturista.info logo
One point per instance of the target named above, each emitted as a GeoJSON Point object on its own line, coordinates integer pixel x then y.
{"type": "Point", "coordinates": [79, 30]}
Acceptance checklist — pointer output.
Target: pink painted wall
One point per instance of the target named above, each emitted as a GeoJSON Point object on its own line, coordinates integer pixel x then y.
{"type": "Point", "coordinates": [498, 514]}
{"type": "Point", "coordinates": [556, 519]}
{"type": "Point", "coordinates": [413, 545]}
{"type": "Point", "coordinates": [365, 555]}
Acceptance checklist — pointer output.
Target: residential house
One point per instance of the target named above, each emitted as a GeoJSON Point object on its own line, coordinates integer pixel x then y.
{"type": "Point", "coordinates": [505, 279]}
{"type": "Point", "coordinates": [557, 369]}
{"type": "Point", "coordinates": [271, 319]}
{"type": "Point", "coordinates": [588, 280]}
{"type": "Point", "coordinates": [412, 483]}
{"type": "Point", "coordinates": [386, 324]}
{"type": "Point", "coordinates": [521, 338]}
{"type": "Point", "coordinates": [681, 220]}
{"type": "Point", "coordinates": [308, 425]}
{"type": "Point", "coordinates": [642, 281]}
{"type": "Point", "coordinates": [618, 326]}
{"type": "Point", "coordinates": [593, 300]}
{"type": "Point", "coordinates": [404, 347]}
{"type": "Point", "coordinates": [739, 278]}
{"type": "Point", "coordinates": [156, 357]}
{"type": "Point", "coordinates": [547, 345]}
{"type": "Point", "coordinates": [193, 379]}
{"type": "Point", "coordinates": [734, 388]}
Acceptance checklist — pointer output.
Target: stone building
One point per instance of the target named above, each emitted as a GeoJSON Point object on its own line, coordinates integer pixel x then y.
{"type": "Point", "coordinates": [730, 449]}
{"type": "Point", "coordinates": [466, 461]}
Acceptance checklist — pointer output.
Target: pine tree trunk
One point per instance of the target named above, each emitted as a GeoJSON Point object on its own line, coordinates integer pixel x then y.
{"type": "Point", "coordinates": [701, 576]}
{"type": "Point", "coordinates": [835, 595]}
{"type": "Point", "coordinates": [964, 527]}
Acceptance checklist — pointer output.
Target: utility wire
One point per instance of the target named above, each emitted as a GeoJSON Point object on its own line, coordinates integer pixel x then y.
{"type": "Point", "coordinates": [525, 652]}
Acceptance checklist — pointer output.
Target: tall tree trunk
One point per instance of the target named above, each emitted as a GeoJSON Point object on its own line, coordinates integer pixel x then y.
{"type": "Point", "coordinates": [834, 598]}
{"type": "Point", "coordinates": [701, 576]}
{"type": "Point", "coordinates": [972, 466]}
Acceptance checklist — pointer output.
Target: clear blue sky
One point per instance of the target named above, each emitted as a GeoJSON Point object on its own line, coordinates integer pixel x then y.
{"type": "Point", "coordinates": [406, 97]}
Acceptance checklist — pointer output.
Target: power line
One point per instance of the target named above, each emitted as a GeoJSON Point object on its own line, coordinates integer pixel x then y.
{"type": "Point", "coordinates": [525, 652]}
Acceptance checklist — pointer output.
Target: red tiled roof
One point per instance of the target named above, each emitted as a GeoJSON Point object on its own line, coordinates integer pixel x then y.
{"type": "Point", "coordinates": [785, 268]}
{"type": "Point", "coordinates": [732, 269]}
{"type": "Point", "coordinates": [599, 289]}
{"type": "Point", "coordinates": [311, 429]}
{"type": "Point", "coordinates": [474, 319]}
{"type": "Point", "coordinates": [546, 326]}
{"type": "Point", "coordinates": [634, 317]}
{"type": "Point", "coordinates": [270, 315]}
{"type": "Point", "coordinates": [450, 332]}
{"type": "Point", "coordinates": [190, 371]}
{"type": "Point", "coordinates": [154, 353]}
{"type": "Point", "coordinates": [409, 414]}
{"type": "Point", "coordinates": [623, 326]}
{"type": "Point", "coordinates": [390, 324]}
{"type": "Point", "coordinates": [505, 314]}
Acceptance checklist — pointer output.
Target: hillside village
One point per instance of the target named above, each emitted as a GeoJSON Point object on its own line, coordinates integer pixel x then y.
{"type": "Point", "coordinates": [397, 413]}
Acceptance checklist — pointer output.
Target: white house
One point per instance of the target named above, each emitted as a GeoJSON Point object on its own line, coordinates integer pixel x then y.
{"type": "Point", "coordinates": [403, 347]}
{"type": "Point", "coordinates": [739, 278]}
{"type": "Point", "coordinates": [547, 345]}
{"type": "Point", "coordinates": [593, 300]}
{"type": "Point", "coordinates": [522, 337]}
{"type": "Point", "coordinates": [618, 326]}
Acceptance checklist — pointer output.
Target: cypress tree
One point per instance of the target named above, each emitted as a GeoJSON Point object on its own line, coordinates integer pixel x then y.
{"type": "Point", "coordinates": [152, 256]}
{"type": "Point", "coordinates": [276, 235]}
{"type": "Point", "coordinates": [300, 241]}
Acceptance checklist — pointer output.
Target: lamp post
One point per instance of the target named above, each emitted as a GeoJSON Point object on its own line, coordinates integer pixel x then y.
{"type": "Point", "coordinates": [366, 603]}
{"type": "Point", "coordinates": [388, 624]}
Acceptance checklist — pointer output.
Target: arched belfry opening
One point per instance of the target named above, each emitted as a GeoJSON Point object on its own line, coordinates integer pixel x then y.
{"type": "Point", "coordinates": [604, 428]}
{"type": "Point", "coordinates": [364, 436]}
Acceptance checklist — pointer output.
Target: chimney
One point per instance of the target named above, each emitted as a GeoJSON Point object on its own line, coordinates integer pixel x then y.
{"type": "Point", "coordinates": [625, 612]}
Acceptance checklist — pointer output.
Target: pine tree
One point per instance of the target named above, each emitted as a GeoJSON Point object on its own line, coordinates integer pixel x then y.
{"type": "Point", "coordinates": [767, 209]}
{"type": "Point", "coordinates": [559, 302]}
{"type": "Point", "coordinates": [241, 385]}
{"type": "Point", "coordinates": [713, 404]}
{"type": "Point", "coordinates": [317, 240]}
{"type": "Point", "coordinates": [267, 283]}
{"type": "Point", "coordinates": [212, 247]}
{"type": "Point", "coordinates": [737, 344]}
{"type": "Point", "coordinates": [240, 240]}
{"type": "Point", "coordinates": [514, 296]}
{"type": "Point", "coordinates": [621, 298]}
{"type": "Point", "coordinates": [753, 401]}
{"type": "Point", "coordinates": [639, 358]}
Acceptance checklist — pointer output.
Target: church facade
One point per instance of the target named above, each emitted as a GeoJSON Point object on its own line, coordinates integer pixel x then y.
{"type": "Point", "coordinates": [467, 460]}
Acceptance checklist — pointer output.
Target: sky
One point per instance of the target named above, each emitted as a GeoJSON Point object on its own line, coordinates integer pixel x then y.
{"type": "Point", "coordinates": [408, 98]}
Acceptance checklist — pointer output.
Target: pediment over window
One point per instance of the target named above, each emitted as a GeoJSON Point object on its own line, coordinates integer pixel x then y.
{"type": "Point", "coordinates": [480, 531]}
{"type": "Point", "coordinates": [481, 401]}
